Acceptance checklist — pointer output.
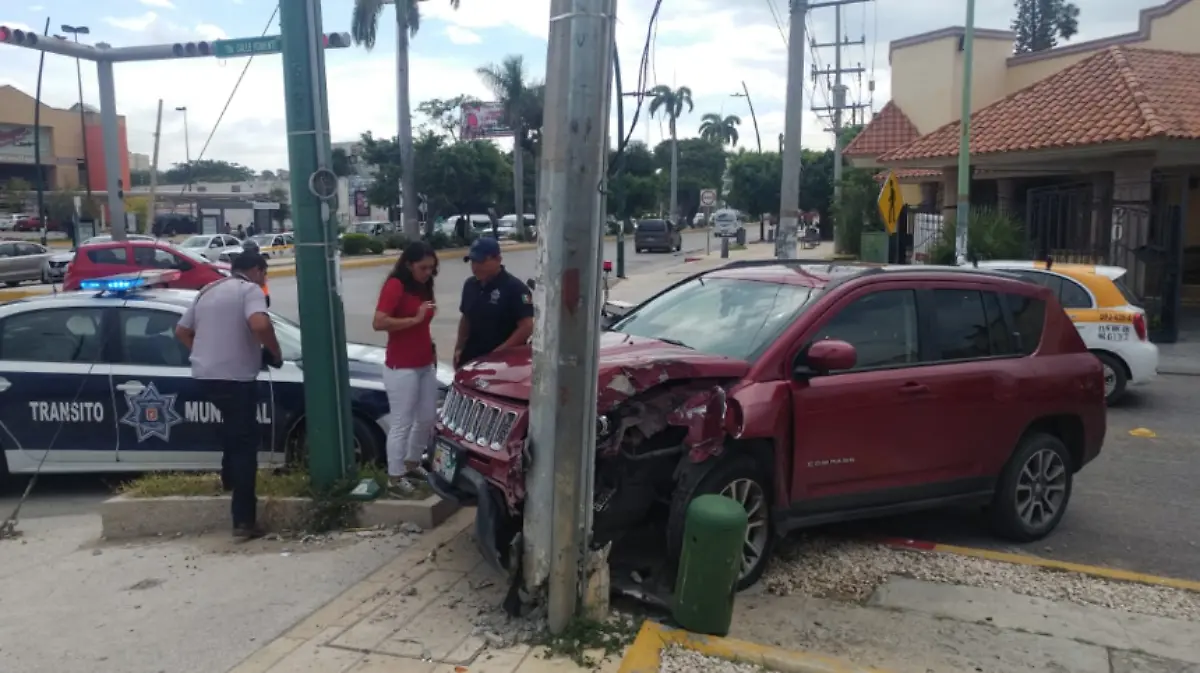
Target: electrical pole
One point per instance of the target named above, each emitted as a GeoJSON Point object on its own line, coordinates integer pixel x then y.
{"type": "Point", "coordinates": [963, 213]}
{"type": "Point", "coordinates": [789, 193]}
{"type": "Point", "coordinates": [557, 528]}
{"type": "Point", "coordinates": [839, 106]}
{"type": "Point", "coordinates": [754, 118]}
{"type": "Point", "coordinates": [408, 185]}
{"type": "Point", "coordinates": [322, 321]}
{"type": "Point", "coordinates": [153, 207]}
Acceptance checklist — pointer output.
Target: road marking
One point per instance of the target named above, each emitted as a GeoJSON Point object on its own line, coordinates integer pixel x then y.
{"type": "Point", "coordinates": [1143, 432]}
{"type": "Point", "coordinates": [1049, 564]}
{"type": "Point", "coordinates": [644, 655]}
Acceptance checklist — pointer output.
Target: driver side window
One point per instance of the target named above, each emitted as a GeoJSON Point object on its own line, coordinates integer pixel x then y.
{"type": "Point", "coordinates": [882, 327]}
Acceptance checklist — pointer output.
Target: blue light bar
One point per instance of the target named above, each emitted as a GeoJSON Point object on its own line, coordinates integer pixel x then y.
{"type": "Point", "coordinates": [127, 282]}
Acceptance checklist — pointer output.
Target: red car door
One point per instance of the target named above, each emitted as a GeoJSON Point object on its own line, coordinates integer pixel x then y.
{"type": "Point", "coordinates": [864, 431]}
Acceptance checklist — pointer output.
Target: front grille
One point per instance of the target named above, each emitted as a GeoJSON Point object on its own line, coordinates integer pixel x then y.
{"type": "Point", "coordinates": [476, 421]}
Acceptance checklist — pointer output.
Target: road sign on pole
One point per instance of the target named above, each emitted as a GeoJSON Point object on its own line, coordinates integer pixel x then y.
{"type": "Point", "coordinates": [891, 202]}
{"type": "Point", "coordinates": [269, 44]}
{"type": "Point", "coordinates": [708, 198]}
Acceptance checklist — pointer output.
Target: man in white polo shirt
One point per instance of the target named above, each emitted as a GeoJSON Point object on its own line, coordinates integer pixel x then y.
{"type": "Point", "coordinates": [227, 330]}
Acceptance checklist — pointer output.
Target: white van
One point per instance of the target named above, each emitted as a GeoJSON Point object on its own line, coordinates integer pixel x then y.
{"type": "Point", "coordinates": [726, 223]}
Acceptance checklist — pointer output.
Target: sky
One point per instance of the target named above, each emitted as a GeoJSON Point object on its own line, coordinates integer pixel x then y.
{"type": "Point", "coordinates": [710, 46]}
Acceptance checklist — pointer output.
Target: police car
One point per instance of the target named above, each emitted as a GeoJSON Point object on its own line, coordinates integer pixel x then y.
{"type": "Point", "coordinates": [1106, 313]}
{"type": "Point", "coordinates": [95, 381]}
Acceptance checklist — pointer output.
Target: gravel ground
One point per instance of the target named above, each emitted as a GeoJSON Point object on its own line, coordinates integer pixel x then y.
{"type": "Point", "coordinates": [677, 659]}
{"type": "Point", "coordinates": [844, 570]}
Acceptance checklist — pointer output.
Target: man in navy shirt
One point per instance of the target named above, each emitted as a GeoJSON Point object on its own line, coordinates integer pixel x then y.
{"type": "Point", "coordinates": [496, 307]}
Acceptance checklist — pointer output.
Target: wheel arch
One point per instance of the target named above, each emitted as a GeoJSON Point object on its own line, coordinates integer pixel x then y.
{"type": "Point", "coordinates": [1068, 428]}
{"type": "Point", "coordinates": [1120, 360]}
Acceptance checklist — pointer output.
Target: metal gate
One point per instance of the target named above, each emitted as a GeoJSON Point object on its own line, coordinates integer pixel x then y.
{"type": "Point", "coordinates": [1138, 227]}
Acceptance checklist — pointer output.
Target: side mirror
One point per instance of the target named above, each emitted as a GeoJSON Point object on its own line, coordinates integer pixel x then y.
{"type": "Point", "coordinates": [825, 356]}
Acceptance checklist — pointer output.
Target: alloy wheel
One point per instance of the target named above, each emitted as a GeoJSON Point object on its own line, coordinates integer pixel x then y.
{"type": "Point", "coordinates": [1041, 488]}
{"type": "Point", "coordinates": [1110, 380]}
{"type": "Point", "coordinates": [750, 494]}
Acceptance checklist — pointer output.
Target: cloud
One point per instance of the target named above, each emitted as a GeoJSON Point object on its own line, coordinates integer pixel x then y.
{"type": "Point", "coordinates": [460, 35]}
{"type": "Point", "coordinates": [36, 8]}
{"type": "Point", "coordinates": [135, 24]}
{"type": "Point", "coordinates": [164, 4]}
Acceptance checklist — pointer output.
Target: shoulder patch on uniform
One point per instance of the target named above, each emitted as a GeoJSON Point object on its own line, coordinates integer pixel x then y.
{"type": "Point", "coordinates": [526, 298]}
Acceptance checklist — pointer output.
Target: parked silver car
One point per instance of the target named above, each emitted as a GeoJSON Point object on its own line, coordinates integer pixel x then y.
{"type": "Point", "coordinates": [21, 261]}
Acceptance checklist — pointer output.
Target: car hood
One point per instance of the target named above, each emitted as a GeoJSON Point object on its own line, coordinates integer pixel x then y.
{"type": "Point", "coordinates": [366, 362]}
{"type": "Point", "coordinates": [628, 366]}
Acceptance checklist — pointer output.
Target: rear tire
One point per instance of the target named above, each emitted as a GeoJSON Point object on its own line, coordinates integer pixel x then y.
{"type": "Point", "coordinates": [1034, 489]}
{"type": "Point", "coordinates": [368, 444]}
{"type": "Point", "coordinates": [731, 475]}
{"type": "Point", "coordinates": [1115, 379]}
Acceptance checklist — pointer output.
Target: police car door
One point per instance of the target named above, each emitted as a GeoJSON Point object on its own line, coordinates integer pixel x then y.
{"type": "Point", "coordinates": [54, 388]}
{"type": "Point", "coordinates": [164, 420]}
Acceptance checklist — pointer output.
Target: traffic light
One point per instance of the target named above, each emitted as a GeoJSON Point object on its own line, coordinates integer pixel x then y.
{"type": "Point", "coordinates": [189, 49]}
{"type": "Point", "coordinates": [23, 38]}
{"type": "Point", "coordinates": [336, 40]}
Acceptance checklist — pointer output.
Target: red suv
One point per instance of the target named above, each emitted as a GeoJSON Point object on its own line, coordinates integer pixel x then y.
{"type": "Point", "coordinates": [813, 393]}
{"type": "Point", "coordinates": [96, 260]}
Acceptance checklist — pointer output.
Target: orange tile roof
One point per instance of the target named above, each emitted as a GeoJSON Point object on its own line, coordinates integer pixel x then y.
{"type": "Point", "coordinates": [889, 129]}
{"type": "Point", "coordinates": [903, 174]}
{"type": "Point", "coordinates": [1117, 95]}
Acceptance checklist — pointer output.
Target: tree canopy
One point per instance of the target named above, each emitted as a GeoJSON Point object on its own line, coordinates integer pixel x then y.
{"type": "Point", "coordinates": [1040, 23]}
{"type": "Point", "coordinates": [207, 170]}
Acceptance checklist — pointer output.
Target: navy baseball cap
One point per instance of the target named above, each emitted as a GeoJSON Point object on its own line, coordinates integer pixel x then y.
{"type": "Point", "coordinates": [482, 249]}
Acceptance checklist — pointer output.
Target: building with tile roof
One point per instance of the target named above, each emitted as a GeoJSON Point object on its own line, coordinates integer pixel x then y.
{"type": "Point", "coordinates": [1093, 145]}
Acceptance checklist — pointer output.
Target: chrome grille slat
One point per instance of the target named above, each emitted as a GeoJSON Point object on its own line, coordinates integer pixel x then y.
{"type": "Point", "coordinates": [487, 424]}
{"type": "Point", "coordinates": [476, 421]}
{"type": "Point", "coordinates": [504, 425]}
{"type": "Point", "coordinates": [472, 416]}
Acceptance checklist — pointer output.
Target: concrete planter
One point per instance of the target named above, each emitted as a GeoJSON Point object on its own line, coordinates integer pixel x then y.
{"type": "Point", "coordinates": [124, 517]}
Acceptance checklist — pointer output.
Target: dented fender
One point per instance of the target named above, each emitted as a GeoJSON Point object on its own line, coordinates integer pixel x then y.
{"type": "Point", "coordinates": [704, 417]}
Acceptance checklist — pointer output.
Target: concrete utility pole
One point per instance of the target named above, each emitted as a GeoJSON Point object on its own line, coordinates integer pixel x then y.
{"type": "Point", "coordinates": [754, 118]}
{"type": "Point", "coordinates": [566, 335]}
{"type": "Point", "coordinates": [963, 214]}
{"type": "Point", "coordinates": [789, 193]}
{"type": "Point", "coordinates": [408, 185]}
{"type": "Point", "coordinates": [839, 106]}
{"type": "Point", "coordinates": [153, 207]}
{"type": "Point", "coordinates": [326, 378]}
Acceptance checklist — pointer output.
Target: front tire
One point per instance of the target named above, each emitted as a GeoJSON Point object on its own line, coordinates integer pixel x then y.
{"type": "Point", "coordinates": [1034, 489]}
{"type": "Point", "coordinates": [368, 444]}
{"type": "Point", "coordinates": [1115, 379]}
{"type": "Point", "coordinates": [741, 478]}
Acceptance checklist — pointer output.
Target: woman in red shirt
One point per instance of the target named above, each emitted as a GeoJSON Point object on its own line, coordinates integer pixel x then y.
{"type": "Point", "coordinates": [404, 311]}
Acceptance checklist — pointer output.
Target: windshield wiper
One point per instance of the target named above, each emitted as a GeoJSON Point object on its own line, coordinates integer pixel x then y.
{"type": "Point", "coordinates": [675, 342]}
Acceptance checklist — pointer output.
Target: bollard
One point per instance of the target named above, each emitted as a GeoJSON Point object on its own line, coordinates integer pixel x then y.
{"type": "Point", "coordinates": [724, 247]}
{"type": "Point", "coordinates": [621, 251]}
{"type": "Point", "coordinates": [714, 533]}
{"type": "Point", "coordinates": [741, 236]}
{"type": "Point", "coordinates": [708, 243]}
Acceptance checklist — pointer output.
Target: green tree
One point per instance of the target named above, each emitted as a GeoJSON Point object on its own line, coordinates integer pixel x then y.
{"type": "Point", "coordinates": [445, 114]}
{"type": "Point", "coordinates": [756, 180]}
{"type": "Point", "coordinates": [207, 170]}
{"type": "Point", "coordinates": [665, 101]}
{"type": "Point", "coordinates": [279, 195]}
{"type": "Point", "coordinates": [342, 165]}
{"type": "Point", "coordinates": [1040, 23]}
{"type": "Point", "coordinates": [383, 154]}
{"type": "Point", "coordinates": [13, 194]}
{"type": "Point", "coordinates": [364, 25]}
{"type": "Point", "coordinates": [519, 97]}
{"type": "Point", "coordinates": [699, 164]}
{"type": "Point", "coordinates": [465, 178]}
{"type": "Point", "coordinates": [720, 130]}
{"type": "Point", "coordinates": [637, 188]}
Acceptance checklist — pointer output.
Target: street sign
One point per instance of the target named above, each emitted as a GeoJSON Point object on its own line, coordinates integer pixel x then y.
{"type": "Point", "coordinates": [708, 198]}
{"type": "Point", "coordinates": [247, 46]}
{"type": "Point", "coordinates": [890, 202]}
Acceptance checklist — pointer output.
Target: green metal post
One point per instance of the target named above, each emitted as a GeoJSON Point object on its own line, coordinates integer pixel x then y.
{"type": "Point", "coordinates": [620, 248]}
{"type": "Point", "coordinates": [963, 212]}
{"type": "Point", "coordinates": [322, 322]}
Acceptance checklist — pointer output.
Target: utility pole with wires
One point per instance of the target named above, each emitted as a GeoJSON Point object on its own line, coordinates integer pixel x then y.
{"type": "Point", "coordinates": [839, 106]}
{"type": "Point", "coordinates": [754, 118]}
{"type": "Point", "coordinates": [789, 192]}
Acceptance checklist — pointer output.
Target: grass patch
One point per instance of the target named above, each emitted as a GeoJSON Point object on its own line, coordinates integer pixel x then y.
{"type": "Point", "coordinates": [584, 637]}
{"type": "Point", "coordinates": [270, 484]}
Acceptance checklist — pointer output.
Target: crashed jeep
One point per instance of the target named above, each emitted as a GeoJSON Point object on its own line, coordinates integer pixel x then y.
{"type": "Point", "coordinates": [672, 419]}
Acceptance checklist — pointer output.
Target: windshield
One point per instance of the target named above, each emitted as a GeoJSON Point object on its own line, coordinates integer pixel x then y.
{"type": "Point", "coordinates": [651, 225]}
{"type": "Point", "coordinates": [288, 335]}
{"type": "Point", "coordinates": [195, 242]}
{"type": "Point", "coordinates": [733, 317]}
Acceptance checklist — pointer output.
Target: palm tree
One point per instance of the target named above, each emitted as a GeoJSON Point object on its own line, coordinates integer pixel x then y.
{"type": "Point", "coordinates": [722, 131]}
{"type": "Point", "coordinates": [363, 26]}
{"type": "Point", "coordinates": [521, 100]}
{"type": "Point", "coordinates": [670, 102]}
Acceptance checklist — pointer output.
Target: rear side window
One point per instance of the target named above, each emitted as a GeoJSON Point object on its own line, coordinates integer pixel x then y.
{"type": "Point", "coordinates": [1074, 296]}
{"type": "Point", "coordinates": [1029, 317]}
{"type": "Point", "coordinates": [1130, 297]}
{"type": "Point", "coordinates": [69, 335]}
{"type": "Point", "coordinates": [962, 325]}
{"type": "Point", "coordinates": [108, 256]}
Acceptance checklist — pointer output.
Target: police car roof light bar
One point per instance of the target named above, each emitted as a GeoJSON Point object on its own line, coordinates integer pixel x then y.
{"type": "Point", "coordinates": [126, 282]}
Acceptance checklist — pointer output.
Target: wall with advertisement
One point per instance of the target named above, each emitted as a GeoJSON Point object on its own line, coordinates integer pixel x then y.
{"type": "Point", "coordinates": [17, 144]}
{"type": "Point", "coordinates": [483, 120]}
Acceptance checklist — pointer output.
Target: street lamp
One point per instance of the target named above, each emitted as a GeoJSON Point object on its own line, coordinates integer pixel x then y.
{"type": "Point", "coordinates": [187, 146]}
{"type": "Point", "coordinates": [754, 118]}
{"type": "Point", "coordinates": [76, 31]}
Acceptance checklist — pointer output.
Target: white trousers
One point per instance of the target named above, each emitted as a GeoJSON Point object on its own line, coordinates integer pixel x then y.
{"type": "Point", "coordinates": [412, 402]}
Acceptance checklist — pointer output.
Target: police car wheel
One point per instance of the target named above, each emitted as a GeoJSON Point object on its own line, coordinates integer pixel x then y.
{"type": "Point", "coordinates": [368, 444]}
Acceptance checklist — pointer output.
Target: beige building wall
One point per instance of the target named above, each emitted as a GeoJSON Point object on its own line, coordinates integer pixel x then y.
{"type": "Point", "coordinates": [923, 81]}
{"type": "Point", "coordinates": [65, 139]}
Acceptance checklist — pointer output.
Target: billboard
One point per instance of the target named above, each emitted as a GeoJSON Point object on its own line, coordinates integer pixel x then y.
{"type": "Point", "coordinates": [483, 120]}
{"type": "Point", "coordinates": [361, 207]}
{"type": "Point", "coordinates": [16, 144]}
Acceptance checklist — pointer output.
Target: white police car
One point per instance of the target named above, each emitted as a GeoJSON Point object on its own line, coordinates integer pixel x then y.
{"type": "Point", "coordinates": [98, 380]}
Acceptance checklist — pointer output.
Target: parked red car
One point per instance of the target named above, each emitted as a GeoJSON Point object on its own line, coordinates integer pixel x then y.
{"type": "Point", "coordinates": [813, 393]}
{"type": "Point", "coordinates": [111, 257]}
{"type": "Point", "coordinates": [35, 224]}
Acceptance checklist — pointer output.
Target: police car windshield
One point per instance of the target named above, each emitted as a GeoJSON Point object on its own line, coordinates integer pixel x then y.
{"type": "Point", "coordinates": [195, 242]}
{"type": "Point", "coordinates": [288, 335]}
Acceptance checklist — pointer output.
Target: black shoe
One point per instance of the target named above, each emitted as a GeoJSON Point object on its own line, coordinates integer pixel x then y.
{"type": "Point", "coordinates": [247, 533]}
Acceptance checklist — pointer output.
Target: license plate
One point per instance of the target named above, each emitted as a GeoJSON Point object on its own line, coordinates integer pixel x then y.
{"type": "Point", "coordinates": [445, 461]}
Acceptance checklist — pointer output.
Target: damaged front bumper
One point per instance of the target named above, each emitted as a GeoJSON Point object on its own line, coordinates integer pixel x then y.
{"type": "Point", "coordinates": [495, 529]}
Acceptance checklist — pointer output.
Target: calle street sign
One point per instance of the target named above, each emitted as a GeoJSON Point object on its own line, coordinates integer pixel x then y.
{"type": "Point", "coordinates": [247, 46]}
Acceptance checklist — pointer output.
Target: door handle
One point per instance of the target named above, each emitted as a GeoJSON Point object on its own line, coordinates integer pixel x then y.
{"type": "Point", "coordinates": [132, 387]}
{"type": "Point", "coordinates": [5, 384]}
{"type": "Point", "coordinates": [913, 389]}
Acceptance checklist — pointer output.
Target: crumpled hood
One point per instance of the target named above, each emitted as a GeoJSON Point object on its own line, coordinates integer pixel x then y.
{"type": "Point", "coordinates": [628, 366]}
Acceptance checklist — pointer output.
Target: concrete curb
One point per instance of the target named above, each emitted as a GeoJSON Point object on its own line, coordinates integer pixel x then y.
{"type": "Point", "coordinates": [124, 517]}
{"type": "Point", "coordinates": [645, 654]}
{"type": "Point", "coordinates": [1048, 564]}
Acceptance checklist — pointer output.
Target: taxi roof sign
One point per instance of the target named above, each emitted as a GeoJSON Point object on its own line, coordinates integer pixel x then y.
{"type": "Point", "coordinates": [127, 282]}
